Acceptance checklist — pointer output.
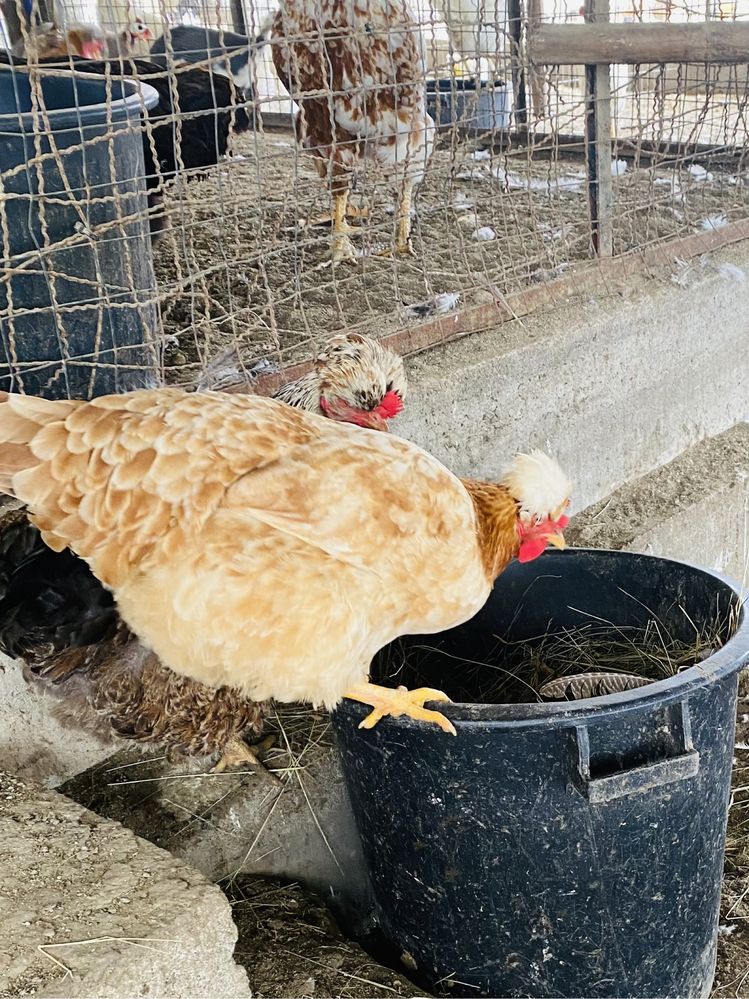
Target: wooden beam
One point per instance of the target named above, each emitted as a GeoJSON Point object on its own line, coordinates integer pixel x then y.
{"type": "Point", "coordinates": [598, 142]}
{"type": "Point", "coordinates": [581, 44]}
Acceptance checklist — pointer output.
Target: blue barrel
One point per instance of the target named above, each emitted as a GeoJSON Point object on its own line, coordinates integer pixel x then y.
{"type": "Point", "coordinates": [78, 312]}
{"type": "Point", "coordinates": [559, 849]}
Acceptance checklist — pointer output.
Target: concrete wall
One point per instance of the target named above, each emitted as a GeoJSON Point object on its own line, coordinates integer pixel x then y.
{"type": "Point", "coordinates": [613, 387]}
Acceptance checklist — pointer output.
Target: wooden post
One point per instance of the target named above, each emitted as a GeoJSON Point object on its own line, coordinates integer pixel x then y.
{"type": "Point", "coordinates": [519, 95]}
{"type": "Point", "coordinates": [239, 22]}
{"type": "Point", "coordinates": [12, 20]}
{"type": "Point", "coordinates": [598, 142]}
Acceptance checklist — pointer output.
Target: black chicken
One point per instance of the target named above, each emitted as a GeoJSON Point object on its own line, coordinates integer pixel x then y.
{"type": "Point", "coordinates": [190, 131]}
{"type": "Point", "coordinates": [57, 617]}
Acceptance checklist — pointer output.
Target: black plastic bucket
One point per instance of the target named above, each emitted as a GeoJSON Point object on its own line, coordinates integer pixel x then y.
{"type": "Point", "coordinates": [559, 849]}
{"type": "Point", "coordinates": [78, 312]}
{"type": "Point", "coordinates": [455, 101]}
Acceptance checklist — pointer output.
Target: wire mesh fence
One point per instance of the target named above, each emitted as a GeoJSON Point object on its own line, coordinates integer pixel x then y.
{"type": "Point", "coordinates": [196, 193]}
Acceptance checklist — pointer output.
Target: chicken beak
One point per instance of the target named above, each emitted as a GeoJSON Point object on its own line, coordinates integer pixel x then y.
{"type": "Point", "coordinates": [557, 540]}
{"type": "Point", "coordinates": [374, 422]}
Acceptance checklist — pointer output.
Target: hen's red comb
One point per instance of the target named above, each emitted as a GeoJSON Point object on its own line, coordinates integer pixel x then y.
{"type": "Point", "coordinates": [391, 405]}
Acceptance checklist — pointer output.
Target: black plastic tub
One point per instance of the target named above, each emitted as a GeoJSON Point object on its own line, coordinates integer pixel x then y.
{"type": "Point", "coordinates": [560, 849]}
{"type": "Point", "coordinates": [78, 311]}
{"type": "Point", "coordinates": [453, 101]}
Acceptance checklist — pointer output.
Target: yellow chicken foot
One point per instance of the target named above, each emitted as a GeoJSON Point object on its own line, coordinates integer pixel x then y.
{"type": "Point", "coordinates": [352, 211]}
{"type": "Point", "coordinates": [387, 701]}
{"type": "Point", "coordinates": [237, 753]}
{"type": "Point", "coordinates": [342, 249]}
{"type": "Point", "coordinates": [403, 245]}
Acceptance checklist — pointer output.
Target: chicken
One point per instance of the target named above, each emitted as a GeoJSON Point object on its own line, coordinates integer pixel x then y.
{"type": "Point", "coordinates": [122, 44]}
{"type": "Point", "coordinates": [48, 41]}
{"type": "Point", "coordinates": [58, 618]}
{"type": "Point", "coordinates": [256, 546]}
{"type": "Point", "coordinates": [357, 75]}
{"type": "Point", "coordinates": [356, 380]}
{"type": "Point", "coordinates": [225, 52]}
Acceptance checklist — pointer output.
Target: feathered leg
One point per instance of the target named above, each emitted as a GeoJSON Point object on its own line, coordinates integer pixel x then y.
{"type": "Point", "coordinates": [403, 245]}
{"type": "Point", "coordinates": [352, 211]}
{"type": "Point", "coordinates": [238, 753]}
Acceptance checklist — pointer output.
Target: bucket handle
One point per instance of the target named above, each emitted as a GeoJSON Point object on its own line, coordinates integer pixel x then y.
{"type": "Point", "coordinates": [599, 790]}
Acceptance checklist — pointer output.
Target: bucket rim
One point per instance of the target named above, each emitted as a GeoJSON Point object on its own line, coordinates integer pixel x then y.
{"type": "Point", "coordinates": [142, 96]}
{"type": "Point", "coordinates": [463, 84]}
{"type": "Point", "coordinates": [728, 659]}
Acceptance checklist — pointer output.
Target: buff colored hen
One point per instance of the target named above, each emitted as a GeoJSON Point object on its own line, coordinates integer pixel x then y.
{"type": "Point", "coordinates": [256, 546]}
{"type": "Point", "coordinates": [56, 617]}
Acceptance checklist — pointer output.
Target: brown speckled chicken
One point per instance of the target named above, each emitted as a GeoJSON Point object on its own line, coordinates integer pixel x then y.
{"type": "Point", "coordinates": [355, 380]}
{"type": "Point", "coordinates": [257, 546]}
{"type": "Point", "coordinates": [356, 70]}
{"type": "Point", "coordinates": [57, 617]}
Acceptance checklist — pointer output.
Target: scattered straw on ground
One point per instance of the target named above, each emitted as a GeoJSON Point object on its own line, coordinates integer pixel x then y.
{"type": "Point", "coordinates": [291, 946]}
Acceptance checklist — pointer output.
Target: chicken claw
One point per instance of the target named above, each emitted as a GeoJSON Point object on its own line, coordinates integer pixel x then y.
{"type": "Point", "coordinates": [342, 249]}
{"type": "Point", "coordinates": [387, 701]}
{"type": "Point", "coordinates": [328, 218]}
{"type": "Point", "coordinates": [238, 753]}
{"type": "Point", "coordinates": [399, 250]}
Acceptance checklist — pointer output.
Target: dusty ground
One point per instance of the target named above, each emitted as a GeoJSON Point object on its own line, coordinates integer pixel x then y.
{"type": "Point", "coordinates": [241, 269]}
{"type": "Point", "coordinates": [290, 946]}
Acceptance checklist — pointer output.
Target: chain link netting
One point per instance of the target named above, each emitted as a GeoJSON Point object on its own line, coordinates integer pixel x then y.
{"type": "Point", "coordinates": [183, 235]}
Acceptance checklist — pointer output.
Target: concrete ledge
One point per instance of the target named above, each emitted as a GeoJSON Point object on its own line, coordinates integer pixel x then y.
{"type": "Point", "coordinates": [614, 387]}
{"type": "Point", "coordinates": [32, 741]}
{"type": "Point", "coordinates": [89, 910]}
{"type": "Point", "coordinates": [695, 508]}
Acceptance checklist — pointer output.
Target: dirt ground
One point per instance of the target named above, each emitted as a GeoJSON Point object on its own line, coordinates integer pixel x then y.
{"type": "Point", "coordinates": [291, 947]}
{"type": "Point", "coordinates": [241, 272]}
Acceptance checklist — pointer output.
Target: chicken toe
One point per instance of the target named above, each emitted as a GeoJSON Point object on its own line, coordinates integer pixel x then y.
{"type": "Point", "coordinates": [386, 701]}
{"type": "Point", "coordinates": [238, 753]}
{"type": "Point", "coordinates": [352, 212]}
{"type": "Point", "coordinates": [342, 249]}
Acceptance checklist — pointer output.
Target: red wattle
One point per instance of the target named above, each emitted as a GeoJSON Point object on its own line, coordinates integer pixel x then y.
{"type": "Point", "coordinates": [531, 549]}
